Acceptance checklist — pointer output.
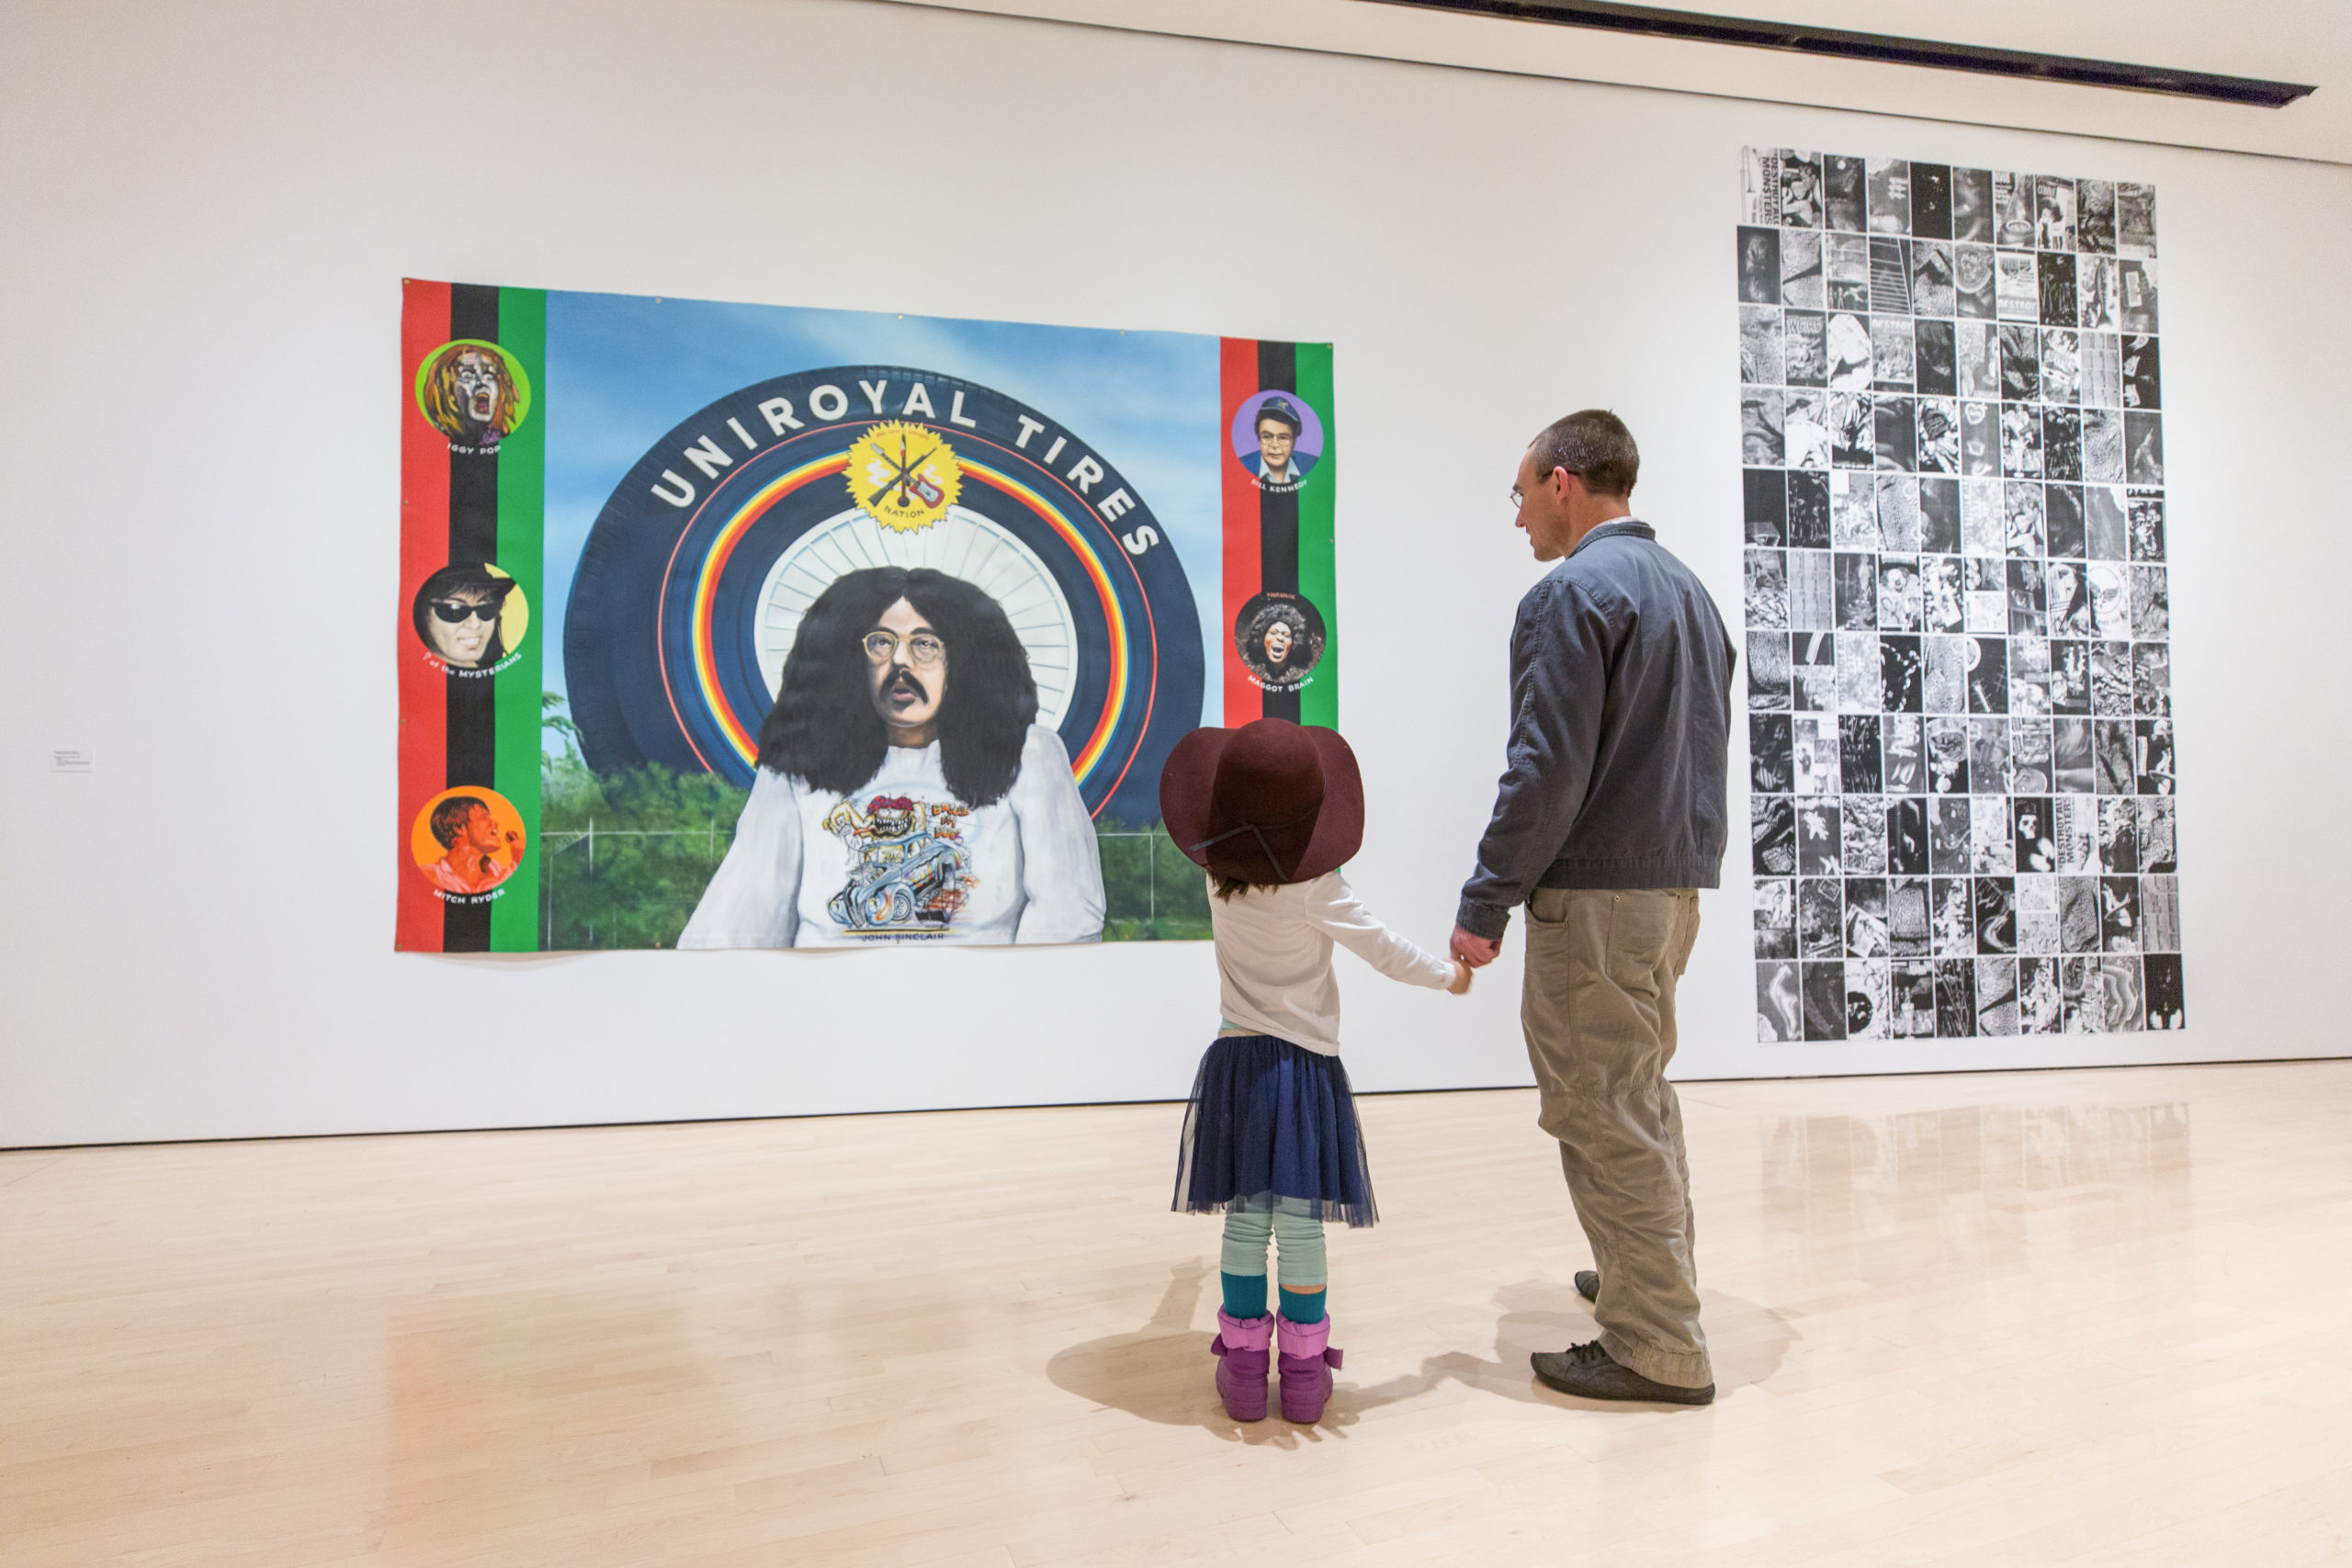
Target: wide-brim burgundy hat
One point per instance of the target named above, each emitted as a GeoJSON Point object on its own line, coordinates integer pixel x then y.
{"type": "Point", "coordinates": [1270, 802]}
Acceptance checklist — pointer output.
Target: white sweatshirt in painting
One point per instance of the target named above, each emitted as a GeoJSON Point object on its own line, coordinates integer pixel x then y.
{"type": "Point", "coordinates": [902, 859]}
{"type": "Point", "coordinates": [1274, 957]}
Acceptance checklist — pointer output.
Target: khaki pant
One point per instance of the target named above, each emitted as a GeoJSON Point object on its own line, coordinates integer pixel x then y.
{"type": "Point", "coordinates": [1598, 1012]}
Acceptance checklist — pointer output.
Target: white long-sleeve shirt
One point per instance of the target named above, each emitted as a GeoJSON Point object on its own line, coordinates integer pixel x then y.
{"type": "Point", "coordinates": [902, 859]}
{"type": "Point", "coordinates": [1274, 957]}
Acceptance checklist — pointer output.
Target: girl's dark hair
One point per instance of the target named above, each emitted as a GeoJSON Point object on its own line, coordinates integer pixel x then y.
{"type": "Point", "coordinates": [468, 577]}
{"type": "Point", "coordinates": [1227, 886]}
{"type": "Point", "coordinates": [823, 728]}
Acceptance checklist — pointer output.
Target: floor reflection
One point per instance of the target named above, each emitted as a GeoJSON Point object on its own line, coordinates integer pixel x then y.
{"type": "Point", "coordinates": [2002, 1191]}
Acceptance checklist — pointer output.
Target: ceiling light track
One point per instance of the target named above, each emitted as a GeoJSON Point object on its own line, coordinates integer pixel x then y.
{"type": "Point", "coordinates": [1649, 21]}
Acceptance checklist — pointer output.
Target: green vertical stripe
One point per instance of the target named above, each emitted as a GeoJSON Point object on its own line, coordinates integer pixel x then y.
{"type": "Point", "coordinates": [522, 552]}
{"type": "Point", "coordinates": [1317, 570]}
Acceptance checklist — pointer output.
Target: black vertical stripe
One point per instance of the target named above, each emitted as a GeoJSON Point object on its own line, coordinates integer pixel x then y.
{"type": "Point", "coordinates": [473, 730]}
{"type": "Point", "coordinates": [1278, 514]}
{"type": "Point", "coordinates": [471, 735]}
{"type": "Point", "coordinates": [1278, 540]}
{"type": "Point", "coordinates": [473, 476]}
{"type": "Point", "coordinates": [465, 927]}
{"type": "Point", "coordinates": [1278, 366]}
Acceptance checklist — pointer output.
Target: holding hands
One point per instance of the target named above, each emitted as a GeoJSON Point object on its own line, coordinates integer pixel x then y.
{"type": "Point", "coordinates": [1469, 952]}
{"type": "Point", "coordinates": [1477, 951]}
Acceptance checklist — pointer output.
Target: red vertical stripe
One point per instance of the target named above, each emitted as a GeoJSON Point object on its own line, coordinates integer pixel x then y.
{"type": "Point", "coordinates": [1237, 376]}
{"type": "Point", "coordinates": [425, 549]}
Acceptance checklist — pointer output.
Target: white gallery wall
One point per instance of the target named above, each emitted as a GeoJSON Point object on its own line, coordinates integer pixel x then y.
{"type": "Point", "coordinates": [205, 216]}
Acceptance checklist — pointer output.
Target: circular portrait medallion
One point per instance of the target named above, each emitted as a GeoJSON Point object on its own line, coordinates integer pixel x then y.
{"type": "Point", "coordinates": [1280, 639]}
{"type": "Point", "coordinates": [473, 392]}
{"type": "Point", "coordinates": [467, 841]}
{"type": "Point", "coordinates": [471, 618]}
{"type": "Point", "coordinates": [1279, 438]}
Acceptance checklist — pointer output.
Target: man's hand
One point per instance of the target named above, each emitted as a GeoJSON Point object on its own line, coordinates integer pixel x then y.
{"type": "Point", "coordinates": [1478, 951]}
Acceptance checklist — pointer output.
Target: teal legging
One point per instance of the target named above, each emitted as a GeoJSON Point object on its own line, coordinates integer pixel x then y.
{"type": "Point", "coordinates": [1299, 1234]}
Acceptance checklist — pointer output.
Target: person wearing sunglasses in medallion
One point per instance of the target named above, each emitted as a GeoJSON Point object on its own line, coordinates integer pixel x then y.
{"type": "Point", "coordinates": [458, 613]}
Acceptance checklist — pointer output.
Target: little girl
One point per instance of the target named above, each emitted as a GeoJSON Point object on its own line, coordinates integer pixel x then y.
{"type": "Point", "coordinates": [1271, 810]}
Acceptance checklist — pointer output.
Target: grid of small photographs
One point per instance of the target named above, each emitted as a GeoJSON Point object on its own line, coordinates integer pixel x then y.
{"type": "Point", "coordinates": [1958, 632]}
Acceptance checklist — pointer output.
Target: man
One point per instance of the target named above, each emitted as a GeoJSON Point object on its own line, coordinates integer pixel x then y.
{"type": "Point", "coordinates": [906, 791]}
{"type": "Point", "coordinates": [1610, 817]}
{"type": "Point", "coordinates": [460, 613]}
{"type": "Point", "coordinates": [1277, 462]}
{"type": "Point", "coordinates": [478, 856]}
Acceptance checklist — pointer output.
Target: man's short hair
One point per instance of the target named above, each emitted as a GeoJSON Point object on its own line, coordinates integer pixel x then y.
{"type": "Point", "coordinates": [449, 816]}
{"type": "Point", "coordinates": [823, 728]}
{"type": "Point", "coordinates": [1593, 444]}
{"type": "Point", "coordinates": [1280, 411]}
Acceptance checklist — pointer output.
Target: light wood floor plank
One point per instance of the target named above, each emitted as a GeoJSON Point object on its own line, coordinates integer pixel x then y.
{"type": "Point", "coordinates": [2086, 1318]}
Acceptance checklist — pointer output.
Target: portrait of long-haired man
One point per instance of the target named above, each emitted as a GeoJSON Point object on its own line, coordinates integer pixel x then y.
{"type": "Point", "coordinates": [470, 396]}
{"type": "Point", "coordinates": [906, 790]}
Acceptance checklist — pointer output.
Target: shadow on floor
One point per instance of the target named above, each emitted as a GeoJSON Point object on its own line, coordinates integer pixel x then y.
{"type": "Point", "coordinates": [1162, 1371]}
{"type": "Point", "coordinates": [1746, 1339]}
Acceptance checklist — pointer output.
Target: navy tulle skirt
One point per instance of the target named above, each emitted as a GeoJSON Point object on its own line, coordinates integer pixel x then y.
{"type": "Point", "coordinates": [1272, 1120]}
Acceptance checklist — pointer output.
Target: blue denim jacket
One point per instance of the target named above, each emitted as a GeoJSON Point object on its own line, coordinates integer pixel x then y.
{"type": "Point", "coordinates": [1621, 731]}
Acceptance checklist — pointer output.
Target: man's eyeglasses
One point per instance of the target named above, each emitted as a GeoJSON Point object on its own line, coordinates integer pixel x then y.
{"type": "Point", "coordinates": [456, 610]}
{"type": "Point", "coordinates": [1519, 499]}
{"type": "Point", "coordinates": [923, 648]}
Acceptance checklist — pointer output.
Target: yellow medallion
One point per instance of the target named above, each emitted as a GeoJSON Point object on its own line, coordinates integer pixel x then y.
{"type": "Point", "coordinates": [903, 476]}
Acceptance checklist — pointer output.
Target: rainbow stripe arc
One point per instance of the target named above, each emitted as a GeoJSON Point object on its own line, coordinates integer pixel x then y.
{"type": "Point", "coordinates": [722, 549]}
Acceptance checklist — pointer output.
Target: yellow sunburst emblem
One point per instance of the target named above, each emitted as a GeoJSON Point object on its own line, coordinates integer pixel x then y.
{"type": "Point", "coordinates": [903, 476]}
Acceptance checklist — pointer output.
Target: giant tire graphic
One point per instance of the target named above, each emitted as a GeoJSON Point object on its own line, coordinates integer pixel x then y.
{"type": "Point", "coordinates": [694, 575]}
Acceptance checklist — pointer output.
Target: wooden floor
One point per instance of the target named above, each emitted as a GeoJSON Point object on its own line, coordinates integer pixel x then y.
{"type": "Point", "coordinates": [2095, 1318]}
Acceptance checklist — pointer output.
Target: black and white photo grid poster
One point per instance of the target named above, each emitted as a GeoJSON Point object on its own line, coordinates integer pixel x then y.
{"type": "Point", "coordinates": [1962, 804]}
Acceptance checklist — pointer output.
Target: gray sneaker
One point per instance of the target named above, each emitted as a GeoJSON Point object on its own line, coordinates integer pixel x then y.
{"type": "Point", "coordinates": [1588, 1285]}
{"type": "Point", "coordinates": [1589, 1373]}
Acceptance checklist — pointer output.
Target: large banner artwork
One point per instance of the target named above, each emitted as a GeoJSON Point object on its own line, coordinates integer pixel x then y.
{"type": "Point", "coordinates": [728, 626]}
{"type": "Point", "coordinates": [1959, 621]}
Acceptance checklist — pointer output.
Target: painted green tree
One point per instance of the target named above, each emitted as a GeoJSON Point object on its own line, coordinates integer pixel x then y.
{"type": "Point", "coordinates": [1151, 892]}
{"type": "Point", "coordinates": [624, 856]}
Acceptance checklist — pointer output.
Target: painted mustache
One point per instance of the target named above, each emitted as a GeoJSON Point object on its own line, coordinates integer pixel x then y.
{"type": "Point", "coordinates": [904, 683]}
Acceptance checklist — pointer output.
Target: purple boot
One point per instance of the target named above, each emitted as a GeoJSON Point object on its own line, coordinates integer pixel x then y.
{"type": "Point", "coordinates": [1241, 1346]}
{"type": "Point", "coordinates": [1307, 1362]}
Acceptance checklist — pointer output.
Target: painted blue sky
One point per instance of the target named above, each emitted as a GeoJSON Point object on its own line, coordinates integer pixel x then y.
{"type": "Point", "coordinates": [622, 369]}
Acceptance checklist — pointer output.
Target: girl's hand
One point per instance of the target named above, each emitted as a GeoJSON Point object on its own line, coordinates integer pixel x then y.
{"type": "Point", "coordinates": [1460, 984]}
